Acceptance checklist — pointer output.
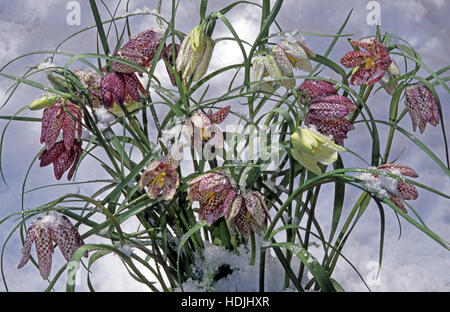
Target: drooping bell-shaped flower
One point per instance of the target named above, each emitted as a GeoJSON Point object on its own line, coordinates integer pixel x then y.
{"type": "Point", "coordinates": [161, 176]}
{"type": "Point", "coordinates": [327, 110]}
{"type": "Point", "coordinates": [309, 147]}
{"type": "Point", "coordinates": [215, 193]}
{"type": "Point", "coordinates": [140, 50]}
{"type": "Point", "coordinates": [248, 214]}
{"type": "Point", "coordinates": [119, 89]}
{"type": "Point", "coordinates": [65, 116]}
{"type": "Point", "coordinates": [61, 158]}
{"type": "Point", "coordinates": [372, 63]}
{"type": "Point", "coordinates": [202, 127]}
{"type": "Point", "coordinates": [45, 231]}
{"type": "Point", "coordinates": [195, 54]}
{"type": "Point", "coordinates": [421, 106]}
{"type": "Point", "coordinates": [395, 189]}
{"type": "Point", "coordinates": [290, 53]}
{"type": "Point", "coordinates": [264, 71]}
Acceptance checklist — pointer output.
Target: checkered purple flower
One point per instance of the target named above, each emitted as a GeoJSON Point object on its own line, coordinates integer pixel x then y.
{"type": "Point", "coordinates": [119, 88]}
{"type": "Point", "coordinates": [403, 190]}
{"type": "Point", "coordinates": [248, 214]}
{"type": "Point", "coordinates": [372, 63]}
{"type": "Point", "coordinates": [421, 106]}
{"type": "Point", "coordinates": [161, 176]}
{"type": "Point", "coordinates": [215, 193]}
{"type": "Point", "coordinates": [45, 231]}
{"type": "Point", "coordinates": [327, 110]}
{"type": "Point", "coordinates": [140, 50]}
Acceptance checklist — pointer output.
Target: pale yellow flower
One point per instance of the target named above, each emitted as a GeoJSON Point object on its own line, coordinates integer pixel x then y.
{"type": "Point", "coordinates": [310, 147]}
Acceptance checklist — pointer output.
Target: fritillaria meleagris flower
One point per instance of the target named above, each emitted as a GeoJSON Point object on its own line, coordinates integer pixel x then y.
{"type": "Point", "coordinates": [218, 197]}
{"type": "Point", "coordinates": [45, 231]}
{"type": "Point", "coordinates": [248, 214]}
{"type": "Point", "coordinates": [395, 188]}
{"type": "Point", "coordinates": [161, 176]}
{"type": "Point", "coordinates": [140, 50]}
{"type": "Point", "coordinates": [421, 106]}
{"type": "Point", "coordinates": [327, 110]}
{"type": "Point", "coordinates": [291, 53]}
{"type": "Point", "coordinates": [215, 193]}
{"type": "Point", "coordinates": [65, 116]}
{"type": "Point", "coordinates": [265, 70]}
{"type": "Point", "coordinates": [194, 54]}
{"type": "Point", "coordinates": [372, 63]}
{"type": "Point", "coordinates": [171, 53]}
{"type": "Point", "coordinates": [62, 158]}
{"type": "Point", "coordinates": [120, 88]}
{"type": "Point", "coordinates": [202, 127]}
{"type": "Point", "coordinates": [309, 147]}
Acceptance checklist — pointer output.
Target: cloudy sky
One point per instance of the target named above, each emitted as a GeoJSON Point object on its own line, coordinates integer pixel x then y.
{"type": "Point", "coordinates": [412, 263]}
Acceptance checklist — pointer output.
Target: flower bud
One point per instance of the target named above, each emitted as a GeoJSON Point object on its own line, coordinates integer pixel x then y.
{"type": "Point", "coordinates": [195, 54]}
{"type": "Point", "coordinates": [43, 102]}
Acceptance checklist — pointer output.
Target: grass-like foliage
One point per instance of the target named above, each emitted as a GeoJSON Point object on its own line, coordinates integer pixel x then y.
{"type": "Point", "coordinates": [193, 185]}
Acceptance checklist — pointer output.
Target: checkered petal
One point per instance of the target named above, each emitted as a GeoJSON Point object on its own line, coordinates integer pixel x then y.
{"type": "Point", "coordinates": [338, 128]}
{"type": "Point", "coordinates": [32, 233]}
{"type": "Point", "coordinates": [171, 183]}
{"type": "Point", "coordinates": [354, 58]}
{"type": "Point", "coordinates": [77, 151]}
{"type": "Point", "coordinates": [214, 183]}
{"type": "Point", "coordinates": [69, 129]}
{"type": "Point", "coordinates": [263, 203]}
{"type": "Point", "coordinates": [407, 191]}
{"type": "Point", "coordinates": [195, 194]}
{"type": "Point", "coordinates": [48, 156]}
{"type": "Point", "coordinates": [220, 115]}
{"type": "Point", "coordinates": [53, 124]}
{"type": "Point", "coordinates": [113, 89]}
{"type": "Point", "coordinates": [397, 201]}
{"type": "Point", "coordinates": [316, 88]}
{"type": "Point", "coordinates": [63, 163]}
{"type": "Point", "coordinates": [44, 250]}
{"type": "Point", "coordinates": [241, 222]}
{"type": "Point", "coordinates": [211, 209]}
{"type": "Point", "coordinates": [228, 202]}
{"type": "Point", "coordinates": [140, 50]}
{"type": "Point", "coordinates": [403, 169]}
{"type": "Point", "coordinates": [421, 106]}
{"type": "Point", "coordinates": [330, 107]}
{"type": "Point", "coordinates": [200, 120]}
{"type": "Point", "coordinates": [132, 88]}
{"type": "Point", "coordinates": [368, 77]}
{"type": "Point", "coordinates": [255, 208]}
{"type": "Point", "coordinates": [67, 237]}
{"type": "Point", "coordinates": [48, 116]}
